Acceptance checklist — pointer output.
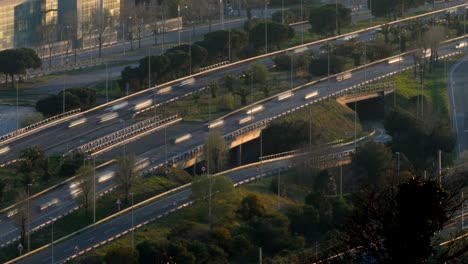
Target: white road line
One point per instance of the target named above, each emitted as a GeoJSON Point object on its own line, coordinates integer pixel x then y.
{"type": "Point", "coordinates": [90, 239]}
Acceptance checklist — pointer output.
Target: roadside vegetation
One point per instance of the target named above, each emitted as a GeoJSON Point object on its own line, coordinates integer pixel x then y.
{"type": "Point", "coordinates": [241, 221]}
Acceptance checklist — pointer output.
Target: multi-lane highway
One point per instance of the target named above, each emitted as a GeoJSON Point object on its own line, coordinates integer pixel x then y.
{"type": "Point", "coordinates": [149, 145]}
{"type": "Point", "coordinates": [60, 139]}
{"type": "Point", "coordinates": [152, 147]}
{"type": "Point", "coordinates": [149, 212]}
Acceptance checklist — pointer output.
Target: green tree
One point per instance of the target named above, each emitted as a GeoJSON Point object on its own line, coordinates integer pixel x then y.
{"type": "Point", "coordinates": [319, 65]}
{"type": "Point", "coordinates": [392, 8]}
{"type": "Point", "coordinates": [83, 98]}
{"type": "Point", "coordinates": [126, 174]}
{"type": "Point", "coordinates": [271, 232]}
{"type": "Point", "coordinates": [180, 62]}
{"type": "Point", "coordinates": [217, 43]}
{"type": "Point", "coordinates": [152, 251]}
{"type": "Point", "coordinates": [289, 16]}
{"type": "Point", "coordinates": [231, 82]}
{"type": "Point", "coordinates": [121, 255]}
{"type": "Point", "coordinates": [375, 164]}
{"type": "Point", "coordinates": [213, 87]}
{"type": "Point", "coordinates": [215, 151]}
{"type": "Point", "coordinates": [277, 34]}
{"type": "Point", "coordinates": [398, 224]}
{"type": "Point", "coordinates": [23, 215]}
{"type": "Point", "coordinates": [31, 119]}
{"type": "Point", "coordinates": [223, 199]}
{"type": "Point", "coordinates": [325, 183]}
{"type": "Point", "coordinates": [323, 19]}
{"type": "Point", "coordinates": [17, 61]}
{"type": "Point", "coordinates": [251, 206]}
{"type": "Point", "coordinates": [260, 73]}
{"type": "Point", "coordinates": [85, 184]}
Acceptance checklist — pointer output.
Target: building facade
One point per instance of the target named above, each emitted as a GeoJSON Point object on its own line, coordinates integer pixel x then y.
{"type": "Point", "coordinates": [33, 23]}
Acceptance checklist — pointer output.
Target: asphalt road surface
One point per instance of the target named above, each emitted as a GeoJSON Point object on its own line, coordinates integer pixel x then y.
{"type": "Point", "coordinates": [152, 147]}
{"type": "Point", "coordinates": [58, 139]}
{"type": "Point", "coordinates": [115, 226]}
{"type": "Point", "coordinates": [458, 95]}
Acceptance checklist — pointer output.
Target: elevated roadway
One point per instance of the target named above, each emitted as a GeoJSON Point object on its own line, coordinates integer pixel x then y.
{"type": "Point", "coordinates": [83, 133]}
{"type": "Point", "coordinates": [146, 213]}
{"type": "Point", "coordinates": [153, 148]}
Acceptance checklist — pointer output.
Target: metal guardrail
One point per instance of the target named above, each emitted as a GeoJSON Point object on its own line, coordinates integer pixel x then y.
{"type": "Point", "coordinates": [125, 133]}
{"type": "Point", "coordinates": [377, 87]}
{"type": "Point", "coordinates": [209, 67]}
{"type": "Point", "coordinates": [264, 123]}
{"type": "Point", "coordinates": [37, 125]}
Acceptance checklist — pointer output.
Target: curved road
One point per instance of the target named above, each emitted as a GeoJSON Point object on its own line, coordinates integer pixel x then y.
{"type": "Point", "coordinates": [458, 97]}
{"type": "Point", "coordinates": [152, 146]}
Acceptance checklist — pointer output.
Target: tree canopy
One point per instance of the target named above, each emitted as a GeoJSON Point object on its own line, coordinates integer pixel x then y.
{"type": "Point", "coordinates": [323, 19]}
{"type": "Point", "coordinates": [398, 224]}
{"type": "Point", "coordinates": [277, 34]}
{"type": "Point", "coordinates": [17, 61]}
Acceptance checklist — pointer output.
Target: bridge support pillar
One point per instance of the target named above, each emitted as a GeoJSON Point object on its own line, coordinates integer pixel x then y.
{"type": "Point", "coordinates": [239, 155]}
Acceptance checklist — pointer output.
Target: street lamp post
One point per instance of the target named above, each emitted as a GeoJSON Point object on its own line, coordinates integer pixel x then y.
{"type": "Point", "coordinates": [178, 23]}
{"type": "Point", "coordinates": [221, 13]}
{"type": "Point", "coordinates": [29, 216]}
{"type": "Point", "coordinates": [17, 103]}
{"type": "Point", "coordinates": [328, 68]}
{"type": "Point", "coordinates": [302, 19]}
{"type": "Point", "coordinates": [266, 27]}
{"type": "Point", "coordinates": [398, 164]}
{"type": "Point", "coordinates": [107, 84]}
{"type": "Point", "coordinates": [336, 16]}
{"type": "Point", "coordinates": [94, 189]}
{"type": "Point", "coordinates": [282, 11]}
{"type": "Point", "coordinates": [63, 93]}
{"type": "Point", "coordinates": [462, 213]}
{"type": "Point", "coordinates": [464, 28]}
{"type": "Point", "coordinates": [52, 238]}
{"type": "Point", "coordinates": [133, 232]}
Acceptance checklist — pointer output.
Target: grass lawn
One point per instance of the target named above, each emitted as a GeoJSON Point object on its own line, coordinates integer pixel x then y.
{"type": "Point", "coordinates": [435, 88]}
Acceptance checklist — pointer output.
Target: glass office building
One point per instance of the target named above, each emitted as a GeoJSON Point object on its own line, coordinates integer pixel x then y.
{"type": "Point", "coordinates": [21, 21]}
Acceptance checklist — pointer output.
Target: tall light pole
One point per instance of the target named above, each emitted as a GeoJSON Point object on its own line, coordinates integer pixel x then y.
{"type": "Point", "coordinates": [398, 164]}
{"type": "Point", "coordinates": [302, 19]}
{"type": "Point", "coordinates": [178, 23]}
{"type": "Point", "coordinates": [221, 13]}
{"type": "Point", "coordinates": [133, 232]}
{"type": "Point", "coordinates": [282, 11]}
{"type": "Point", "coordinates": [52, 238]}
{"type": "Point", "coordinates": [63, 93]}
{"type": "Point", "coordinates": [336, 16]}
{"type": "Point", "coordinates": [462, 212]}
{"type": "Point", "coordinates": [328, 68]}
{"type": "Point", "coordinates": [279, 187]}
{"type": "Point", "coordinates": [149, 68]}
{"type": "Point", "coordinates": [107, 84]}
{"type": "Point", "coordinates": [94, 189]}
{"type": "Point", "coordinates": [464, 28]}
{"type": "Point", "coordinates": [29, 216]}
{"type": "Point", "coordinates": [17, 102]}
{"type": "Point", "coordinates": [229, 40]}
{"type": "Point", "coordinates": [266, 27]}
